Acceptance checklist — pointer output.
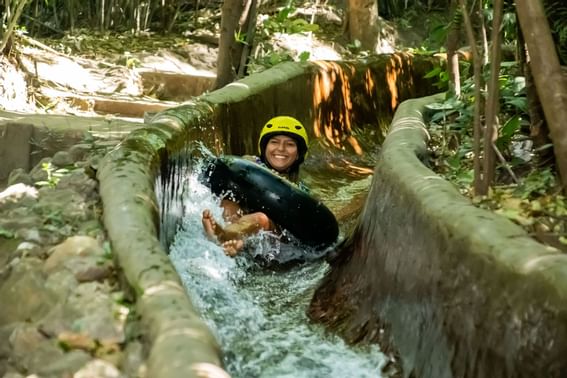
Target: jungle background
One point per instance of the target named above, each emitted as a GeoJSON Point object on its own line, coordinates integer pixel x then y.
{"type": "Point", "coordinates": [499, 136]}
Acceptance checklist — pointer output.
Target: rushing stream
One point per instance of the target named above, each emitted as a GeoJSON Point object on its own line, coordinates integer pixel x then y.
{"type": "Point", "coordinates": [258, 314]}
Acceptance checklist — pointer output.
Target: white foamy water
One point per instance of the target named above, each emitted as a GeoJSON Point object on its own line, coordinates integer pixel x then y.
{"type": "Point", "coordinates": [258, 315]}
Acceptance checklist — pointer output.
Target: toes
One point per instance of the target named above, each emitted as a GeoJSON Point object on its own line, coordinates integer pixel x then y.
{"type": "Point", "coordinates": [209, 224]}
{"type": "Point", "coordinates": [232, 247]}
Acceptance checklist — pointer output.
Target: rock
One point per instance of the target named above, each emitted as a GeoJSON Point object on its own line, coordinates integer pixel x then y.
{"type": "Point", "coordinates": [62, 159]}
{"type": "Point", "coordinates": [79, 182]}
{"type": "Point", "coordinates": [89, 310]}
{"type": "Point", "coordinates": [78, 152]}
{"type": "Point", "coordinates": [39, 173]}
{"type": "Point", "coordinates": [111, 353]}
{"type": "Point", "coordinates": [45, 235]}
{"type": "Point", "coordinates": [7, 252]}
{"type": "Point", "coordinates": [94, 273]}
{"type": "Point", "coordinates": [62, 206]}
{"type": "Point", "coordinates": [24, 339]}
{"type": "Point", "coordinates": [92, 228]}
{"type": "Point", "coordinates": [5, 346]}
{"type": "Point", "coordinates": [19, 176]}
{"type": "Point", "coordinates": [98, 369]}
{"type": "Point", "coordinates": [29, 234]}
{"type": "Point", "coordinates": [18, 195]}
{"type": "Point", "coordinates": [35, 354]}
{"type": "Point", "coordinates": [62, 283]}
{"type": "Point", "coordinates": [64, 366]}
{"type": "Point", "coordinates": [84, 269]}
{"type": "Point", "coordinates": [81, 255]}
{"type": "Point", "coordinates": [30, 249]}
{"type": "Point", "coordinates": [23, 292]}
{"type": "Point", "coordinates": [73, 246]}
{"type": "Point", "coordinates": [93, 162]}
{"type": "Point", "coordinates": [60, 319]}
{"type": "Point", "coordinates": [20, 224]}
{"type": "Point", "coordinates": [74, 340]}
{"type": "Point", "coordinates": [99, 313]}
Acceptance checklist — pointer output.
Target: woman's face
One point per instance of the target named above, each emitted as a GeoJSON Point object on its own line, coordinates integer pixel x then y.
{"type": "Point", "coordinates": [281, 152]}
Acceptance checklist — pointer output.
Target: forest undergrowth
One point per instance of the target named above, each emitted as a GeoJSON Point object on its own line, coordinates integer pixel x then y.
{"type": "Point", "coordinates": [526, 188]}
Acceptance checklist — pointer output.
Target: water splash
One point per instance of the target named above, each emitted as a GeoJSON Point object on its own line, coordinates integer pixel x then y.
{"type": "Point", "coordinates": [258, 315]}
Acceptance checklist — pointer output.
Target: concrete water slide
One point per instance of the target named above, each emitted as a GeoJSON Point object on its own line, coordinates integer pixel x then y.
{"type": "Point", "coordinates": [452, 290]}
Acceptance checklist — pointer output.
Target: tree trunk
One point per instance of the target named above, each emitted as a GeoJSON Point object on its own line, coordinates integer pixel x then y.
{"type": "Point", "coordinates": [250, 34]}
{"type": "Point", "coordinates": [482, 29]}
{"type": "Point", "coordinates": [12, 21]}
{"type": "Point", "coordinates": [478, 104]}
{"type": "Point", "coordinates": [71, 13]}
{"type": "Point", "coordinates": [235, 18]}
{"type": "Point", "coordinates": [550, 84]}
{"type": "Point", "coordinates": [539, 133]}
{"type": "Point", "coordinates": [492, 102]}
{"type": "Point", "coordinates": [452, 46]}
{"type": "Point", "coordinates": [363, 24]}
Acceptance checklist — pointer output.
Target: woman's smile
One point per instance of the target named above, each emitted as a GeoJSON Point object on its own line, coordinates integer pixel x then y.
{"type": "Point", "coordinates": [281, 152]}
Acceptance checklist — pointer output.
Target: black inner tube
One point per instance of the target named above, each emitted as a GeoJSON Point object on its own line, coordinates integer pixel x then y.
{"type": "Point", "coordinates": [256, 188]}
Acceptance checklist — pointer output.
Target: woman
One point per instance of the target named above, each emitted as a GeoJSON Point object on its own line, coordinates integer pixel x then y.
{"type": "Point", "coordinates": [282, 145]}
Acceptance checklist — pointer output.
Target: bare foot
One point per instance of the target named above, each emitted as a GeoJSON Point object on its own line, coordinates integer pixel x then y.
{"type": "Point", "coordinates": [232, 247]}
{"type": "Point", "coordinates": [212, 229]}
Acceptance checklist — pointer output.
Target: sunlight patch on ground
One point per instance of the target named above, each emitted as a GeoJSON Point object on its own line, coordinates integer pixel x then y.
{"type": "Point", "coordinates": [299, 43]}
{"type": "Point", "coordinates": [82, 76]}
{"type": "Point", "coordinates": [170, 62]}
{"type": "Point", "coordinates": [13, 91]}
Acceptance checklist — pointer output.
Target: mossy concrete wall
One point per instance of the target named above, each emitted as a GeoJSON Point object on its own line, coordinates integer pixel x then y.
{"type": "Point", "coordinates": [454, 290]}
{"type": "Point", "coordinates": [330, 98]}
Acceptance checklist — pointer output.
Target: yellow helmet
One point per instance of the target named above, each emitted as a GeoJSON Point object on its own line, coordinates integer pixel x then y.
{"type": "Point", "coordinates": [284, 125]}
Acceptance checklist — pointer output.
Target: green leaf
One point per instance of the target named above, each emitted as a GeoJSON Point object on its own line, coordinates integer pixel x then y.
{"type": "Point", "coordinates": [508, 131]}
{"type": "Point", "coordinates": [439, 106]}
{"type": "Point", "coordinates": [284, 14]}
{"type": "Point", "coordinates": [439, 33]}
{"type": "Point", "coordinates": [521, 103]}
{"type": "Point", "coordinates": [433, 73]}
{"type": "Point", "coordinates": [275, 59]}
{"type": "Point", "coordinates": [6, 233]}
{"type": "Point", "coordinates": [511, 126]}
{"type": "Point", "coordinates": [304, 56]}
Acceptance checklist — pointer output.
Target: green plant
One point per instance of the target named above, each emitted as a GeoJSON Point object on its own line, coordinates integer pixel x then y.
{"type": "Point", "coordinates": [7, 234]}
{"type": "Point", "coordinates": [107, 250]}
{"type": "Point", "coordinates": [54, 218]}
{"type": "Point", "coordinates": [53, 175]}
{"type": "Point", "coordinates": [240, 37]}
{"type": "Point", "coordinates": [536, 183]}
{"type": "Point", "coordinates": [283, 23]}
{"type": "Point", "coordinates": [442, 76]}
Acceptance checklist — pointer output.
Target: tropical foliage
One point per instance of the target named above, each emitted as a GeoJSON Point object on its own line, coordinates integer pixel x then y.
{"type": "Point", "coordinates": [525, 186]}
{"type": "Point", "coordinates": [491, 90]}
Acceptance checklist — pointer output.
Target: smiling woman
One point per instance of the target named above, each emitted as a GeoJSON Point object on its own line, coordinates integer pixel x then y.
{"type": "Point", "coordinates": [283, 144]}
{"type": "Point", "coordinates": [281, 152]}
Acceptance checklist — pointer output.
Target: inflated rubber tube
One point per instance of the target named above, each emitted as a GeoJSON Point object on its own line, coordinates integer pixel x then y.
{"type": "Point", "coordinates": [256, 188]}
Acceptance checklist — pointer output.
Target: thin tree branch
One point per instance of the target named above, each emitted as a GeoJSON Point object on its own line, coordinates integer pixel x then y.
{"type": "Point", "coordinates": [477, 128]}
{"type": "Point", "coordinates": [12, 23]}
{"type": "Point", "coordinates": [493, 99]}
{"type": "Point", "coordinates": [505, 163]}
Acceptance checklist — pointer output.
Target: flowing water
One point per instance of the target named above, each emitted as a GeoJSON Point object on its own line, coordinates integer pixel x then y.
{"type": "Point", "coordinates": [257, 314]}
